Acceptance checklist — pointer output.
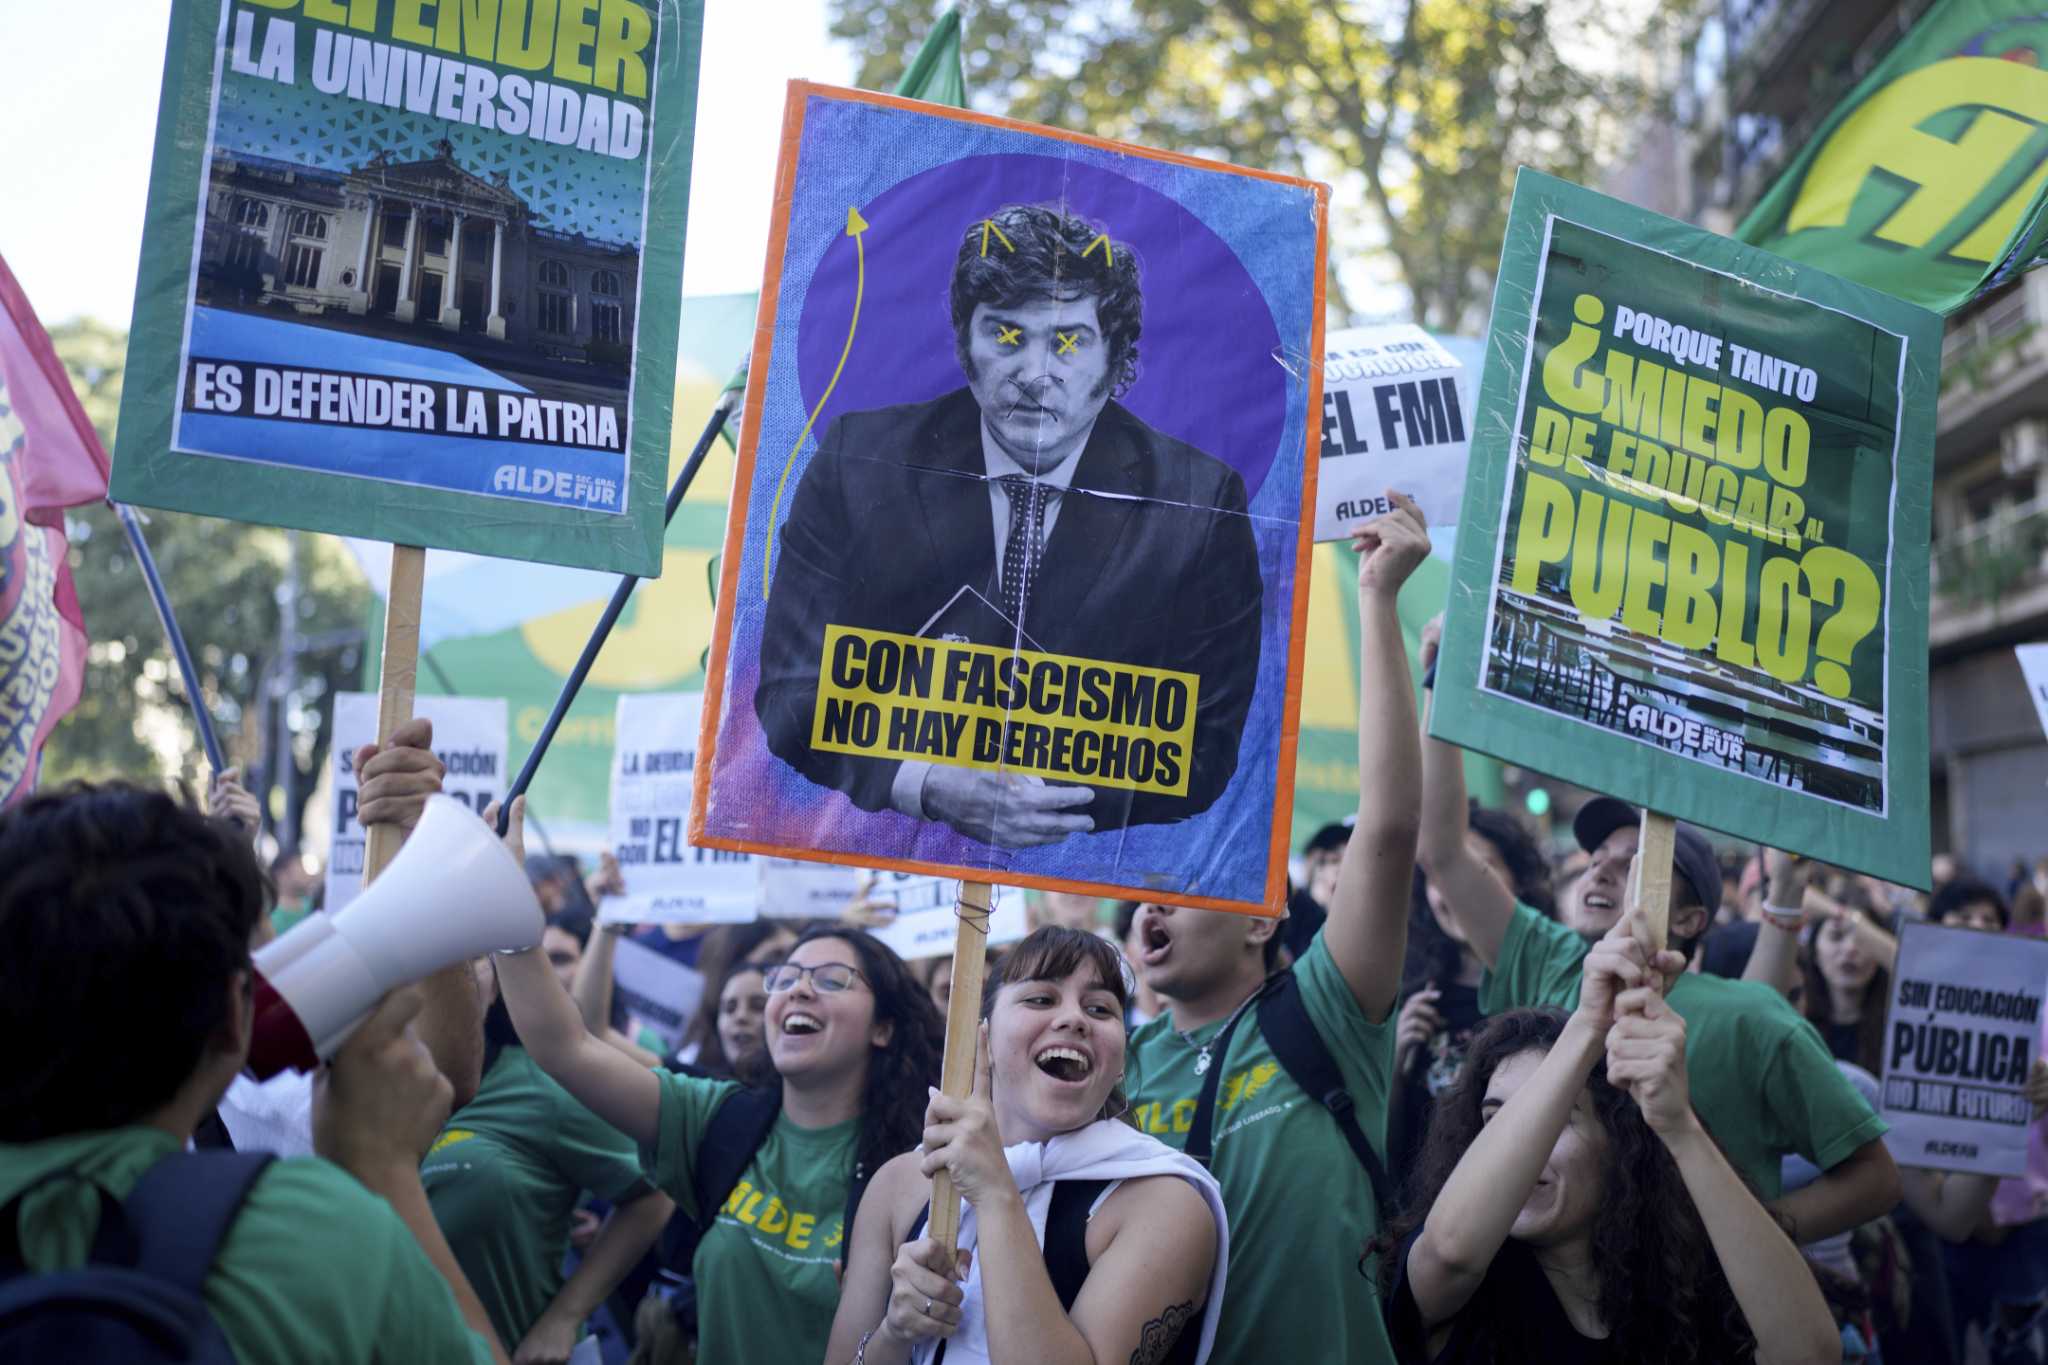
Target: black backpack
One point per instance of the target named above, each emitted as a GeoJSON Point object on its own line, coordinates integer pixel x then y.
{"type": "Point", "coordinates": [1301, 1052]}
{"type": "Point", "coordinates": [138, 1299]}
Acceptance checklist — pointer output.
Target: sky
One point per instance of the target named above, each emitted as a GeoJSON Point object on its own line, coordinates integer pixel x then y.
{"type": "Point", "coordinates": [80, 114]}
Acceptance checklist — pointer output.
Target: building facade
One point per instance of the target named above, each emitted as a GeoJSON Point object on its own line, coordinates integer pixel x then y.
{"type": "Point", "coordinates": [416, 244]}
{"type": "Point", "coordinates": [1751, 81]}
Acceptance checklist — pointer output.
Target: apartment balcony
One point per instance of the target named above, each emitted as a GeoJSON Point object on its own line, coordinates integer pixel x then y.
{"type": "Point", "coordinates": [1993, 364]}
{"type": "Point", "coordinates": [1990, 580]}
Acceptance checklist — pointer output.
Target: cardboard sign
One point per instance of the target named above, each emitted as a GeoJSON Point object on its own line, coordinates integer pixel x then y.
{"type": "Point", "coordinates": [656, 990]}
{"type": "Point", "coordinates": [1008, 594]}
{"type": "Point", "coordinates": [799, 890]}
{"type": "Point", "coordinates": [1392, 418]}
{"type": "Point", "coordinates": [410, 273]}
{"type": "Point", "coordinates": [1964, 1029]}
{"type": "Point", "coordinates": [927, 911]}
{"type": "Point", "coordinates": [666, 878]}
{"type": "Point", "coordinates": [2034, 668]}
{"type": "Point", "coordinates": [1692, 568]}
{"type": "Point", "coordinates": [469, 737]}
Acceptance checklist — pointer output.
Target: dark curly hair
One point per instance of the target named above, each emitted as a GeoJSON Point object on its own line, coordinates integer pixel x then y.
{"type": "Point", "coordinates": [1048, 257]}
{"type": "Point", "coordinates": [893, 1102]}
{"type": "Point", "coordinates": [124, 915]}
{"type": "Point", "coordinates": [1663, 1294]}
{"type": "Point", "coordinates": [1958, 894]}
{"type": "Point", "coordinates": [1432, 953]}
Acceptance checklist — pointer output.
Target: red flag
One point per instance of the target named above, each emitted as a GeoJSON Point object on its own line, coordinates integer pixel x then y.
{"type": "Point", "coordinates": [50, 459]}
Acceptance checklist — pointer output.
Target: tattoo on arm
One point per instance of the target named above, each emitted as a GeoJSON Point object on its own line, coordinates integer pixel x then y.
{"type": "Point", "coordinates": [1161, 1333]}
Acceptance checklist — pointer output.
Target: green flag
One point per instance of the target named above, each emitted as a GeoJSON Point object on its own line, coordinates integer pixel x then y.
{"type": "Point", "coordinates": [1930, 181]}
{"type": "Point", "coordinates": [934, 75]}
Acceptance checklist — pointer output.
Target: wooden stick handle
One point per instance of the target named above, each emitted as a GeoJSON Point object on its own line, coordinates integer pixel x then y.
{"type": "Point", "coordinates": [400, 674]}
{"type": "Point", "coordinates": [1652, 877]}
{"type": "Point", "coordinates": [963, 1025]}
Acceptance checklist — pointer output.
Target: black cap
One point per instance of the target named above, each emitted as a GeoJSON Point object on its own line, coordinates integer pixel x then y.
{"type": "Point", "coordinates": [1336, 834]}
{"type": "Point", "coordinates": [1692, 856]}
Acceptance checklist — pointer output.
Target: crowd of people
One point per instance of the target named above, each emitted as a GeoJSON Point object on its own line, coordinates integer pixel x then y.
{"type": "Point", "coordinates": [1453, 1107]}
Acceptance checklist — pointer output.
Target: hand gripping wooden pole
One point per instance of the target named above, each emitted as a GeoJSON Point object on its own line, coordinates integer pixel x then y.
{"type": "Point", "coordinates": [1650, 882]}
{"type": "Point", "coordinates": [400, 673]}
{"type": "Point", "coordinates": [963, 1026]}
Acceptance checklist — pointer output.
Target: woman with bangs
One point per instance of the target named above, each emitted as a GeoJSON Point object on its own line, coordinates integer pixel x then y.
{"type": "Point", "coordinates": [1081, 1239]}
{"type": "Point", "coordinates": [1571, 1207]}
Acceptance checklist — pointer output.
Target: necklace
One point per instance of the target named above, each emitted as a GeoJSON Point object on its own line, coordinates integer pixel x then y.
{"type": "Point", "coordinates": [1202, 1058]}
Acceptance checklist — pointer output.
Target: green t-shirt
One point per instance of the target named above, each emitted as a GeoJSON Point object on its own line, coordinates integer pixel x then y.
{"type": "Point", "coordinates": [1301, 1207]}
{"type": "Point", "coordinates": [1762, 1080]}
{"type": "Point", "coordinates": [504, 1177]}
{"type": "Point", "coordinates": [314, 1268]}
{"type": "Point", "coordinates": [766, 1283]}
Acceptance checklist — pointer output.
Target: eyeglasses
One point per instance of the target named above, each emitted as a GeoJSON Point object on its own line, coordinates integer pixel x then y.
{"type": "Point", "coordinates": [826, 976]}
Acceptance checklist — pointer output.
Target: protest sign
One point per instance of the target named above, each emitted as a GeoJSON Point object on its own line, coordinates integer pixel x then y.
{"type": "Point", "coordinates": [656, 990]}
{"type": "Point", "coordinates": [1068, 655]}
{"type": "Point", "coordinates": [469, 738]}
{"type": "Point", "coordinates": [666, 878]}
{"type": "Point", "coordinates": [1392, 418]}
{"type": "Point", "coordinates": [1693, 568]}
{"type": "Point", "coordinates": [2034, 668]}
{"type": "Point", "coordinates": [799, 890]}
{"type": "Point", "coordinates": [411, 273]}
{"type": "Point", "coordinates": [1960, 1041]}
{"type": "Point", "coordinates": [927, 913]}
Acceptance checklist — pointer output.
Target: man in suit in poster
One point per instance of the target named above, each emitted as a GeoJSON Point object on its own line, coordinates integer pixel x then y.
{"type": "Point", "coordinates": [1028, 509]}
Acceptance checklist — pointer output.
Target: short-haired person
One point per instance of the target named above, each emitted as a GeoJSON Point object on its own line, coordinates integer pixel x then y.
{"type": "Point", "coordinates": [1571, 1206]}
{"type": "Point", "coordinates": [1760, 1076]}
{"type": "Point", "coordinates": [1967, 903]}
{"type": "Point", "coordinates": [1300, 1200]}
{"type": "Point", "coordinates": [118, 904]}
{"type": "Point", "coordinates": [1029, 510]}
{"type": "Point", "coordinates": [1040, 1132]}
{"type": "Point", "coordinates": [1321, 856]}
{"type": "Point", "coordinates": [855, 1044]}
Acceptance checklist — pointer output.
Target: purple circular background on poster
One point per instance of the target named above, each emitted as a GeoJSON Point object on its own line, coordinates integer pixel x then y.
{"type": "Point", "coordinates": [1204, 358]}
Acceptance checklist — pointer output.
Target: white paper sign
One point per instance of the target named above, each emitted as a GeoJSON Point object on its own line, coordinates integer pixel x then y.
{"type": "Point", "coordinates": [794, 889]}
{"type": "Point", "coordinates": [927, 912]}
{"type": "Point", "coordinates": [2034, 667]}
{"type": "Point", "coordinates": [657, 990]}
{"type": "Point", "coordinates": [1963, 1032]}
{"type": "Point", "coordinates": [667, 880]}
{"type": "Point", "coordinates": [469, 737]}
{"type": "Point", "coordinates": [1392, 418]}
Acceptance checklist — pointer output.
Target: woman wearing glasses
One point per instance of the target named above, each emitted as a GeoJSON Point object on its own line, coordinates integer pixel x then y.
{"type": "Point", "coordinates": [855, 1044]}
{"type": "Point", "coordinates": [1080, 1237]}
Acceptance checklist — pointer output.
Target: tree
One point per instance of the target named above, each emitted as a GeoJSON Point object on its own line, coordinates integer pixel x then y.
{"type": "Point", "coordinates": [1417, 111]}
{"type": "Point", "coordinates": [223, 578]}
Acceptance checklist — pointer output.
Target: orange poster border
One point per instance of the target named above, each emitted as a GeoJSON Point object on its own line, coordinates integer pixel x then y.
{"type": "Point", "coordinates": [1275, 900]}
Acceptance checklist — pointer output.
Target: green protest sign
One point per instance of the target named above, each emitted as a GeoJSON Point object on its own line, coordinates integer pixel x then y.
{"type": "Point", "coordinates": [1694, 564]}
{"type": "Point", "coordinates": [411, 272]}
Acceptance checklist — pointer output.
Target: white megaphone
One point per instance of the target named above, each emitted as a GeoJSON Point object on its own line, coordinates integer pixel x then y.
{"type": "Point", "coordinates": [453, 892]}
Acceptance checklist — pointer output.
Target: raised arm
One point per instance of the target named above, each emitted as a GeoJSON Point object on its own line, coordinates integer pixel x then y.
{"type": "Point", "coordinates": [1476, 899]}
{"type": "Point", "coordinates": [625, 1238]}
{"type": "Point", "coordinates": [1774, 960]}
{"type": "Point", "coordinates": [396, 779]}
{"type": "Point", "coordinates": [1367, 931]}
{"type": "Point", "coordinates": [1773, 1286]}
{"type": "Point", "coordinates": [603, 1079]}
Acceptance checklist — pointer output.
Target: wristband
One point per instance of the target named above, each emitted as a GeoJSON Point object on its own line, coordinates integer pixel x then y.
{"type": "Point", "coordinates": [1791, 921]}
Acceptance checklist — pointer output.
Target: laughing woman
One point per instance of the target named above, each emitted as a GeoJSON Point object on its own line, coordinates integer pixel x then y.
{"type": "Point", "coordinates": [1082, 1239]}
{"type": "Point", "coordinates": [854, 1042]}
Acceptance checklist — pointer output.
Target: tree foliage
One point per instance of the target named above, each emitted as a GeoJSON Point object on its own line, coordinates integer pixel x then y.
{"type": "Point", "coordinates": [1417, 111]}
{"type": "Point", "coordinates": [223, 578]}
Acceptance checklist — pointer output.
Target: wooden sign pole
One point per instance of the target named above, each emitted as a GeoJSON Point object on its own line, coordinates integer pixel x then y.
{"type": "Point", "coordinates": [399, 673]}
{"type": "Point", "coordinates": [1652, 876]}
{"type": "Point", "coordinates": [963, 1027]}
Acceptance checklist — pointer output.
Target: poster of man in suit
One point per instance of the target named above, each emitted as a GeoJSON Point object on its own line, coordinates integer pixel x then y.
{"type": "Point", "coordinates": [1011, 581]}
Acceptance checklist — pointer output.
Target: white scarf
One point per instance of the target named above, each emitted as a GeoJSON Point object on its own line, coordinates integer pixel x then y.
{"type": "Point", "coordinates": [1104, 1150]}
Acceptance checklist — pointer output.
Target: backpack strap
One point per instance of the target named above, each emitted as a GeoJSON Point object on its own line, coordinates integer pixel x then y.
{"type": "Point", "coordinates": [1202, 1129]}
{"type": "Point", "coordinates": [737, 1129]}
{"type": "Point", "coordinates": [181, 1210]}
{"type": "Point", "coordinates": [1300, 1050]}
{"type": "Point", "coordinates": [855, 1188]}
